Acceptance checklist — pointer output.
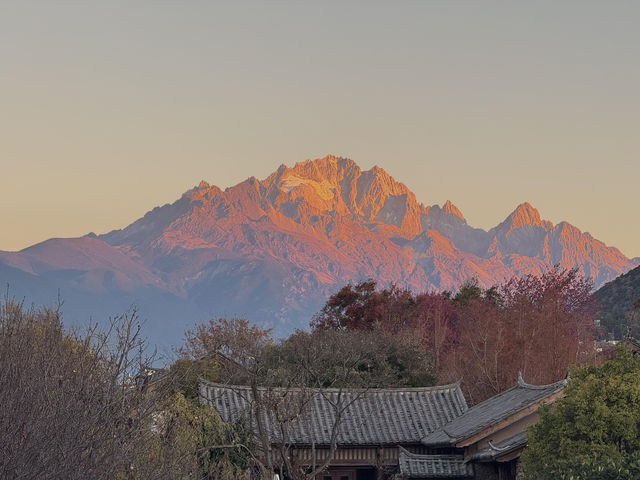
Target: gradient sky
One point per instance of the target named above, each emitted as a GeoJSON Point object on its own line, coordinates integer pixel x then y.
{"type": "Point", "coordinates": [108, 109]}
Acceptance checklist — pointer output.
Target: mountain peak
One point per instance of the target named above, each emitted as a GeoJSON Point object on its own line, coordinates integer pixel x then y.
{"type": "Point", "coordinates": [450, 208]}
{"type": "Point", "coordinates": [274, 250]}
{"type": "Point", "coordinates": [524, 214]}
{"type": "Point", "coordinates": [327, 168]}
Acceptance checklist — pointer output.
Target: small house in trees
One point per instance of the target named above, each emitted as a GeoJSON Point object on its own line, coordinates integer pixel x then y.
{"type": "Point", "coordinates": [393, 433]}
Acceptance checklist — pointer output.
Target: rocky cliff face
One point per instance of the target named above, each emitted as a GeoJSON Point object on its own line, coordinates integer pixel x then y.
{"type": "Point", "coordinates": [273, 250]}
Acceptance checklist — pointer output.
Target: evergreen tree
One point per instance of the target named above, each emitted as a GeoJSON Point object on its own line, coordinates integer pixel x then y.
{"type": "Point", "coordinates": [594, 431]}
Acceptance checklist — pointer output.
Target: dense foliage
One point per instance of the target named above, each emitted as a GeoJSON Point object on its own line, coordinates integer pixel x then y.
{"type": "Point", "coordinates": [330, 359]}
{"type": "Point", "coordinates": [594, 431]}
{"type": "Point", "coordinates": [537, 325]}
{"type": "Point", "coordinates": [534, 325]}
{"type": "Point", "coordinates": [619, 305]}
{"type": "Point", "coordinates": [191, 441]}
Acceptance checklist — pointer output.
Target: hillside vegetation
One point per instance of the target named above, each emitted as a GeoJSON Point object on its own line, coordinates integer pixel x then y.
{"type": "Point", "coordinates": [619, 305]}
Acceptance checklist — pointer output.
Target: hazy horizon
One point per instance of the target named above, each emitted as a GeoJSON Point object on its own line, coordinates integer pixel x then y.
{"type": "Point", "coordinates": [113, 109]}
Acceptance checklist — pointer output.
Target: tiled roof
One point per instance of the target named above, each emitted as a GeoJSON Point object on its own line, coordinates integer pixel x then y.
{"type": "Point", "coordinates": [499, 449]}
{"type": "Point", "coordinates": [487, 413]}
{"type": "Point", "coordinates": [413, 465]}
{"type": "Point", "coordinates": [632, 343]}
{"type": "Point", "coordinates": [373, 417]}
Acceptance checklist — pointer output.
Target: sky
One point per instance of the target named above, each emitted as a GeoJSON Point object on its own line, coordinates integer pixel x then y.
{"type": "Point", "coordinates": [108, 109]}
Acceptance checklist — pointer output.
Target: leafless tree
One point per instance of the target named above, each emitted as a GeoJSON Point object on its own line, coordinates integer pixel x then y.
{"type": "Point", "coordinates": [73, 405]}
{"type": "Point", "coordinates": [324, 363]}
{"type": "Point", "coordinates": [280, 381]}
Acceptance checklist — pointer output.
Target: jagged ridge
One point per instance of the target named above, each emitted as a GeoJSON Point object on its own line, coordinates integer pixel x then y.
{"type": "Point", "coordinates": [276, 248]}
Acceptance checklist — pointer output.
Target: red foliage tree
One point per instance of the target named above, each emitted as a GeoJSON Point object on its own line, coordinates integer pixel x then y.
{"type": "Point", "coordinates": [551, 318]}
{"type": "Point", "coordinates": [478, 354]}
{"type": "Point", "coordinates": [362, 307]}
{"type": "Point", "coordinates": [537, 325]}
{"type": "Point", "coordinates": [427, 317]}
{"type": "Point", "coordinates": [434, 321]}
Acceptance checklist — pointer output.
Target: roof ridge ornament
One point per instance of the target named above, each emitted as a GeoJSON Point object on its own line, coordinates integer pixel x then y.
{"type": "Point", "coordinates": [523, 384]}
{"type": "Point", "coordinates": [498, 449]}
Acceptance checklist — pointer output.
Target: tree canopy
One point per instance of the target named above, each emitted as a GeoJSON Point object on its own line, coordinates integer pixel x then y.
{"type": "Point", "coordinates": [594, 431]}
{"type": "Point", "coordinates": [537, 325]}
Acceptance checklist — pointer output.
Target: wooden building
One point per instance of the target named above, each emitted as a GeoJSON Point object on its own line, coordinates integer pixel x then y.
{"type": "Point", "coordinates": [492, 433]}
{"type": "Point", "coordinates": [394, 433]}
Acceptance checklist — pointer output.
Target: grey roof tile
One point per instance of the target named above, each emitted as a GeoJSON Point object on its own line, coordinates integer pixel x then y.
{"type": "Point", "coordinates": [486, 413]}
{"type": "Point", "coordinates": [373, 417]}
{"type": "Point", "coordinates": [498, 449]}
{"type": "Point", "coordinates": [414, 465]}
